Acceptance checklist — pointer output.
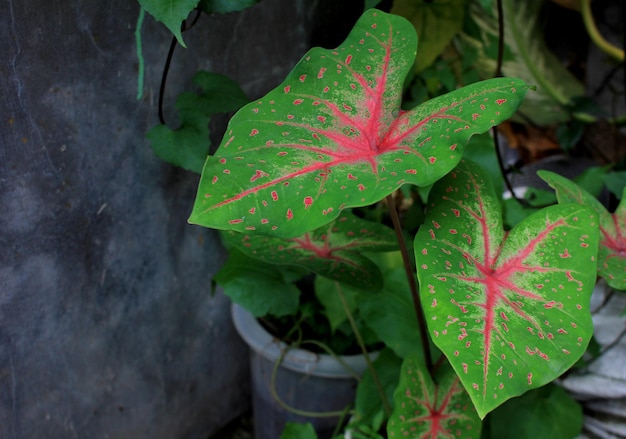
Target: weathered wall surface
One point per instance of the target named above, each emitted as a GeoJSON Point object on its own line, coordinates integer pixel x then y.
{"type": "Point", "coordinates": [107, 327]}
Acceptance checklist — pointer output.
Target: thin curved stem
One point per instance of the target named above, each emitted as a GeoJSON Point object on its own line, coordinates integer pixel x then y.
{"type": "Point", "coordinates": [614, 52]}
{"type": "Point", "coordinates": [283, 404]}
{"type": "Point", "coordinates": [419, 312]}
{"type": "Point", "coordinates": [361, 343]}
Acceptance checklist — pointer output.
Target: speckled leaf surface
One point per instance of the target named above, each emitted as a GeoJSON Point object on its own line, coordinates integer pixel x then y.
{"type": "Point", "coordinates": [333, 135]}
{"type": "Point", "coordinates": [333, 251]}
{"type": "Point", "coordinates": [612, 251]}
{"type": "Point", "coordinates": [510, 310]}
{"type": "Point", "coordinates": [427, 410]}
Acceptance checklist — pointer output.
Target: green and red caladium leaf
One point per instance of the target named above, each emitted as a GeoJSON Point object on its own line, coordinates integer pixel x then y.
{"type": "Point", "coordinates": [333, 135]}
{"type": "Point", "coordinates": [510, 310]}
{"type": "Point", "coordinates": [431, 410]}
{"type": "Point", "coordinates": [333, 251]}
{"type": "Point", "coordinates": [612, 251]}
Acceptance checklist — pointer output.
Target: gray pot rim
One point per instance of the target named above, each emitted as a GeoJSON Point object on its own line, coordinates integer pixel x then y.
{"type": "Point", "coordinates": [296, 359]}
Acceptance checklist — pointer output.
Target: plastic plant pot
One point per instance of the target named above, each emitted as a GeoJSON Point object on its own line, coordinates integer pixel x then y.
{"type": "Point", "coordinates": [304, 381]}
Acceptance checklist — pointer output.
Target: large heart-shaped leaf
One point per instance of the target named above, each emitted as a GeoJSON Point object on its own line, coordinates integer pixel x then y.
{"type": "Point", "coordinates": [509, 309]}
{"type": "Point", "coordinates": [332, 135]}
{"type": "Point", "coordinates": [428, 410]}
{"type": "Point", "coordinates": [332, 251]}
{"type": "Point", "coordinates": [612, 251]}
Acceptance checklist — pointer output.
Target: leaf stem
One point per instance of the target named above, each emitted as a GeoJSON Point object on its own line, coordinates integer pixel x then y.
{"type": "Point", "coordinates": [611, 50]}
{"type": "Point", "coordinates": [419, 312]}
{"type": "Point", "coordinates": [368, 360]}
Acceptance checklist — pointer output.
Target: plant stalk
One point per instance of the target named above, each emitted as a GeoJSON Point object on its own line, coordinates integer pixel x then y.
{"type": "Point", "coordinates": [368, 360]}
{"type": "Point", "coordinates": [419, 312]}
{"type": "Point", "coordinates": [612, 51]}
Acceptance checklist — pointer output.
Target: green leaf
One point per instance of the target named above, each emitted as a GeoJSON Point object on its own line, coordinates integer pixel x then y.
{"type": "Point", "coordinates": [547, 412]}
{"type": "Point", "coordinates": [391, 314]}
{"type": "Point", "coordinates": [529, 59]}
{"type": "Point", "coordinates": [225, 6]}
{"type": "Point", "coordinates": [615, 182]}
{"type": "Point", "coordinates": [258, 287]}
{"type": "Point", "coordinates": [188, 145]}
{"type": "Point", "coordinates": [436, 23]}
{"type": "Point", "coordinates": [294, 430]}
{"type": "Point", "coordinates": [509, 310]}
{"type": "Point", "coordinates": [326, 292]}
{"type": "Point", "coordinates": [612, 252]}
{"type": "Point", "coordinates": [368, 403]}
{"type": "Point", "coordinates": [333, 251]}
{"type": "Point", "coordinates": [171, 13]}
{"type": "Point", "coordinates": [427, 409]}
{"type": "Point", "coordinates": [332, 135]}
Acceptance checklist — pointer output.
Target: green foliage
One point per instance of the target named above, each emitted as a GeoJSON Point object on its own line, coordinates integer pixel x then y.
{"type": "Point", "coordinates": [436, 22]}
{"type": "Point", "coordinates": [527, 57]}
{"type": "Point", "coordinates": [294, 430]}
{"type": "Point", "coordinates": [547, 412]}
{"type": "Point", "coordinates": [188, 145]}
{"type": "Point", "coordinates": [259, 287]}
{"type": "Point", "coordinates": [369, 410]}
{"type": "Point", "coordinates": [510, 310]}
{"type": "Point", "coordinates": [390, 313]}
{"type": "Point", "coordinates": [171, 13]}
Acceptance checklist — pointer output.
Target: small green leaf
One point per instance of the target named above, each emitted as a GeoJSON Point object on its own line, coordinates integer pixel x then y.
{"type": "Point", "coordinates": [391, 314]}
{"type": "Point", "coordinates": [188, 145]}
{"type": "Point", "coordinates": [326, 292]}
{"type": "Point", "coordinates": [294, 430]}
{"type": "Point", "coordinates": [436, 23]}
{"type": "Point", "coordinates": [171, 13]}
{"type": "Point", "coordinates": [258, 287]}
{"type": "Point", "coordinates": [547, 412]}
{"type": "Point", "coordinates": [368, 403]}
{"type": "Point", "coordinates": [615, 183]}
{"type": "Point", "coordinates": [427, 409]}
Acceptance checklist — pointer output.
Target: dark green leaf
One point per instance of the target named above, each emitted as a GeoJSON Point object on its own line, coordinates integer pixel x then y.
{"type": "Point", "coordinates": [368, 402]}
{"type": "Point", "coordinates": [188, 145]}
{"type": "Point", "coordinates": [171, 13]}
{"type": "Point", "coordinates": [294, 430]}
{"type": "Point", "coordinates": [258, 287]}
{"type": "Point", "coordinates": [547, 412]}
{"type": "Point", "coordinates": [436, 23]}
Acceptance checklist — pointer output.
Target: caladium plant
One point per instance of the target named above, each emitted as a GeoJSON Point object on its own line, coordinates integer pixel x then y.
{"type": "Point", "coordinates": [612, 252]}
{"type": "Point", "coordinates": [510, 310]}
{"type": "Point", "coordinates": [333, 135]}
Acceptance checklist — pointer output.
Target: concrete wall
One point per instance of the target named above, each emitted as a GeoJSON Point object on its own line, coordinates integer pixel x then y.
{"type": "Point", "coordinates": [107, 327]}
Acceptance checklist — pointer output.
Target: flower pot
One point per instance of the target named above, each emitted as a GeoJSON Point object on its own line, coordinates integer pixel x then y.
{"type": "Point", "coordinates": [304, 380]}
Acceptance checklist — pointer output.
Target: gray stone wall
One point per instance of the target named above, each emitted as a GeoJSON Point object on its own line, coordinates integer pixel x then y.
{"type": "Point", "coordinates": [107, 325]}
